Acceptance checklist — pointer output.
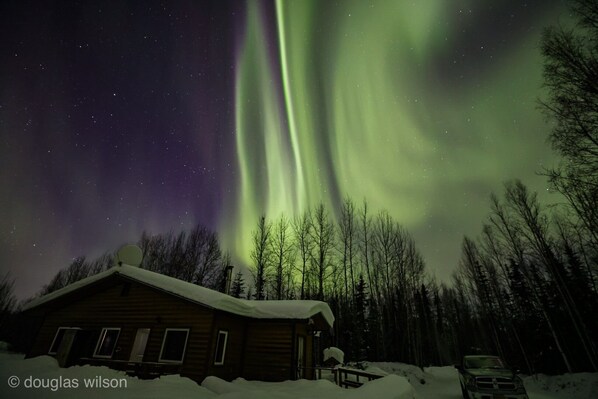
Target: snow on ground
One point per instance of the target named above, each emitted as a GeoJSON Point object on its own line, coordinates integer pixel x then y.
{"type": "Point", "coordinates": [41, 377]}
{"type": "Point", "coordinates": [443, 382]}
{"type": "Point", "coordinates": [577, 385]}
{"type": "Point", "coordinates": [392, 386]}
{"type": "Point", "coordinates": [430, 383]}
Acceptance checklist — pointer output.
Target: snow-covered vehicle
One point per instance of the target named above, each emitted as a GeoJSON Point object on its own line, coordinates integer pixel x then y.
{"type": "Point", "coordinates": [487, 377]}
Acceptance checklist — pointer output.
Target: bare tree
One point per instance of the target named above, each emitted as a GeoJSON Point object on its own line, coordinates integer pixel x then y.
{"type": "Point", "coordinates": [261, 255]}
{"type": "Point", "coordinates": [302, 233]}
{"type": "Point", "coordinates": [527, 208]}
{"type": "Point", "coordinates": [571, 77]}
{"type": "Point", "coordinates": [203, 257]}
{"type": "Point", "coordinates": [511, 238]}
{"type": "Point", "coordinates": [387, 248]}
{"type": "Point", "coordinates": [364, 244]}
{"type": "Point", "coordinates": [194, 257]}
{"type": "Point", "coordinates": [7, 298]}
{"type": "Point", "coordinates": [154, 249]}
{"type": "Point", "coordinates": [347, 231]}
{"type": "Point", "coordinates": [322, 237]}
{"type": "Point", "coordinates": [77, 270]}
{"type": "Point", "coordinates": [102, 263]}
{"type": "Point", "coordinates": [283, 257]}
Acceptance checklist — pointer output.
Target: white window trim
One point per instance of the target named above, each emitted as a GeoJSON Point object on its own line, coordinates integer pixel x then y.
{"type": "Point", "coordinates": [102, 335]}
{"type": "Point", "coordinates": [221, 362]}
{"type": "Point", "coordinates": [56, 336]}
{"type": "Point", "coordinates": [164, 341]}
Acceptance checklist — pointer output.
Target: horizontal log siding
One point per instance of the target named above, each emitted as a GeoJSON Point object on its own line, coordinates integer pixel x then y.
{"type": "Point", "coordinates": [268, 350]}
{"type": "Point", "coordinates": [233, 357]}
{"type": "Point", "coordinates": [143, 307]}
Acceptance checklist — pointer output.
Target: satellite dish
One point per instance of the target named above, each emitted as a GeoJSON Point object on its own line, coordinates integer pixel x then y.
{"type": "Point", "coordinates": [129, 255]}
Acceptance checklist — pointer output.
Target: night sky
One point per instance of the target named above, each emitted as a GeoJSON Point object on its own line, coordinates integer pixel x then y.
{"type": "Point", "coordinates": [124, 116]}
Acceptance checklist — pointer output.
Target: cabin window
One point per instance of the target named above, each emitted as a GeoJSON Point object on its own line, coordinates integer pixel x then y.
{"type": "Point", "coordinates": [57, 340]}
{"type": "Point", "coordinates": [107, 342]}
{"type": "Point", "coordinates": [220, 348]}
{"type": "Point", "coordinates": [173, 345]}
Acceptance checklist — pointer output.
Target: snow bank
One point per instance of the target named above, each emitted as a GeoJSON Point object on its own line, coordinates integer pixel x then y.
{"type": "Point", "coordinates": [243, 389]}
{"type": "Point", "coordinates": [205, 296]}
{"type": "Point", "coordinates": [445, 372]}
{"type": "Point", "coordinates": [4, 346]}
{"type": "Point", "coordinates": [391, 387]}
{"type": "Point", "coordinates": [376, 370]}
{"type": "Point", "coordinates": [41, 377]}
{"type": "Point", "coordinates": [412, 373]}
{"type": "Point", "coordinates": [54, 382]}
{"type": "Point", "coordinates": [439, 383]}
{"type": "Point", "coordinates": [443, 382]}
{"type": "Point", "coordinates": [577, 385]}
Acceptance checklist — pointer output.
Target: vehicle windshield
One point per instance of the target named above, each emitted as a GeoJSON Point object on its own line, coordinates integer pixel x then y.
{"type": "Point", "coordinates": [483, 362]}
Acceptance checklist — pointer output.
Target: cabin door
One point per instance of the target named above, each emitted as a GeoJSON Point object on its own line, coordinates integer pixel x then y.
{"type": "Point", "coordinates": [139, 345]}
{"type": "Point", "coordinates": [300, 356]}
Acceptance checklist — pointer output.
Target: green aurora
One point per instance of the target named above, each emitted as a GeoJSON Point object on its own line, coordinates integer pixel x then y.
{"type": "Point", "coordinates": [423, 111]}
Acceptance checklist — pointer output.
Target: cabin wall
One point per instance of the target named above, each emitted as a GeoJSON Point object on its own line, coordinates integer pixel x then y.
{"type": "Point", "coordinates": [233, 358]}
{"type": "Point", "coordinates": [263, 350]}
{"type": "Point", "coordinates": [268, 350]}
{"type": "Point", "coordinates": [256, 349]}
{"type": "Point", "coordinates": [140, 307]}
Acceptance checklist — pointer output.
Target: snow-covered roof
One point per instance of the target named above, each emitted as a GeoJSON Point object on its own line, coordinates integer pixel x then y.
{"type": "Point", "coordinates": [289, 309]}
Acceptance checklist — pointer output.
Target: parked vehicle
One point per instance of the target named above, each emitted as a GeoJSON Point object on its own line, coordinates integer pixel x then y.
{"type": "Point", "coordinates": [487, 377]}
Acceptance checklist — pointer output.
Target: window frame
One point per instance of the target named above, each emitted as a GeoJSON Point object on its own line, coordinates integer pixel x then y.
{"type": "Point", "coordinates": [187, 330]}
{"type": "Point", "coordinates": [221, 361]}
{"type": "Point", "coordinates": [100, 341]}
{"type": "Point", "coordinates": [56, 336]}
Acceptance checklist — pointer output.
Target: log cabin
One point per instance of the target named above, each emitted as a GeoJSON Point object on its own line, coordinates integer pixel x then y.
{"type": "Point", "coordinates": [150, 324]}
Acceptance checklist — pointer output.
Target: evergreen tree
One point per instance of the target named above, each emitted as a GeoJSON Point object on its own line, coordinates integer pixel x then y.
{"type": "Point", "coordinates": [238, 286]}
{"type": "Point", "coordinates": [373, 335]}
{"type": "Point", "coordinates": [361, 330]}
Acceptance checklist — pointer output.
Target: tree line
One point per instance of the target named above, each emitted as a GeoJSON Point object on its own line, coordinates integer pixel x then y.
{"type": "Point", "coordinates": [528, 283]}
{"type": "Point", "coordinates": [194, 256]}
{"type": "Point", "coordinates": [365, 265]}
{"type": "Point", "coordinates": [528, 286]}
{"type": "Point", "coordinates": [525, 288]}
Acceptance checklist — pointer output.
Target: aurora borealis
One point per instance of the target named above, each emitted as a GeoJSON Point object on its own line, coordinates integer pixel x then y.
{"type": "Point", "coordinates": [132, 116]}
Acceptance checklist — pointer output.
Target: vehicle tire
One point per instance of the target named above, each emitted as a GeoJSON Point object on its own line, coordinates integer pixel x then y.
{"type": "Point", "coordinates": [464, 392]}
